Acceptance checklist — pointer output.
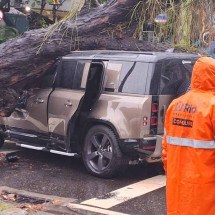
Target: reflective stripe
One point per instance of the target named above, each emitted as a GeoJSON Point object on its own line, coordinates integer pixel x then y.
{"type": "Point", "coordinates": [201, 144]}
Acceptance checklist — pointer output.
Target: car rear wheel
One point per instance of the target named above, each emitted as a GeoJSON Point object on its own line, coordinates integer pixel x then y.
{"type": "Point", "coordinates": [1, 141]}
{"type": "Point", "coordinates": [101, 154]}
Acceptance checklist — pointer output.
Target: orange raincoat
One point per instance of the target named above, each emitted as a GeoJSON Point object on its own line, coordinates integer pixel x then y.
{"type": "Point", "coordinates": [189, 146]}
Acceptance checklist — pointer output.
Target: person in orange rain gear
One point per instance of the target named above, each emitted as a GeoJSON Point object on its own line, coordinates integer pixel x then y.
{"type": "Point", "coordinates": [189, 147]}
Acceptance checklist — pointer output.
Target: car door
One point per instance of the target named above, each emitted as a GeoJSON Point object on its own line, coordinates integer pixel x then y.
{"type": "Point", "coordinates": [64, 100]}
{"type": "Point", "coordinates": [76, 90]}
{"type": "Point", "coordinates": [29, 121]}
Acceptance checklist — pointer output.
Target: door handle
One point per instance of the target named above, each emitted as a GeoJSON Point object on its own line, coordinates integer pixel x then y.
{"type": "Point", "coordinates": [68, 104]}
{"type": "Point", "coordinates": [39, 100]}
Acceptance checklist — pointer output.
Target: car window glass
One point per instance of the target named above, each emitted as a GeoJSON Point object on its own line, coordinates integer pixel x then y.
{"type": "Point", "coordinates": [133, 77]}
{"type": "Point", "coordinates": [47, 80]}
{"type": "Point", "coordinates": [81, 70]}
{"type": "Point", "coordinates": [67, 74]}
{"type": "Point", "coordinates": [175, 76]}
{"type": "Point", "coordinates": [154, 76]}
{"type": "Point", "coordinates": [112, 76]}
{"type": "Point", "coordinates": [43, 81]}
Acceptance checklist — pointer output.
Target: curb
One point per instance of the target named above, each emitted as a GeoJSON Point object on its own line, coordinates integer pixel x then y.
{"type": "Point", "coordinates": [54, 204]}
{"type": "Point", "coordinates": [56, 199]}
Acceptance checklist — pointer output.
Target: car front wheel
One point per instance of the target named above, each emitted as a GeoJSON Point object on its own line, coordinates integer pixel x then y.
{"type": "Point", "coordinates": [101, 154]}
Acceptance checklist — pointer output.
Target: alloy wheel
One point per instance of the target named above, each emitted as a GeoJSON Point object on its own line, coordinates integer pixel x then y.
{"type": "Point", "coordinates": [99, 151]}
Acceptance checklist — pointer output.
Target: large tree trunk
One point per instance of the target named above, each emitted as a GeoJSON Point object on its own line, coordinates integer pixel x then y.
{"type": "Point", "coordinates": [185, 23]}
{"type": "Point", "coordinates": [29, 54]}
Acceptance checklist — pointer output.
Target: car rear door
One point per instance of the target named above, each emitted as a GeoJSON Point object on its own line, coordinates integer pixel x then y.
{"type": "Point", "coordinates": [64, 100]}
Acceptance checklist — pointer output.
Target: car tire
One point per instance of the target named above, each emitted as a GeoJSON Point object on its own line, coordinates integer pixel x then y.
{"type": "Point", "coordinates": [101, 154]}
{"type": "Point", "coordinates": [1, 141]}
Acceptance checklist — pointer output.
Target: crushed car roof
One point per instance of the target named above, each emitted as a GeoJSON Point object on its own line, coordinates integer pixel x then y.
{"type": "Point", "coordinates": [128, 55]}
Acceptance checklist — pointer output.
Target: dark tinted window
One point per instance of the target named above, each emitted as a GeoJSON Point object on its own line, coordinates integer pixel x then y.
{"type": "Point", "coordinates": [67, 74]}
{"type": "Point", "coordinates": [175, 76]}
{"type": "Point", "coordinates": [133, 78]}
{"type": "Point", "coordinates": [154, 78]}
{"type": "Point", "coordinates": [47, 80]}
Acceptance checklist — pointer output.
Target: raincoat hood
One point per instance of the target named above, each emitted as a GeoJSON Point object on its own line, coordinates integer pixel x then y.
{"type": "Point", "coordinates": [203, 76]}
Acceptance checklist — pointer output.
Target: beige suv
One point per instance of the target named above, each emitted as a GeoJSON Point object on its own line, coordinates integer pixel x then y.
{"type": "Point", "coordinates": [107, 106]}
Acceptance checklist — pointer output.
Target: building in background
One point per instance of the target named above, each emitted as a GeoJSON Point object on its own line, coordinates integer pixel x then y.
{"type": "Point", "coordinates": [53, 9]}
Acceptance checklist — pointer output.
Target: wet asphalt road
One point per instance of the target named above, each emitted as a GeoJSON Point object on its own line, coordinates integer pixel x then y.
{"type": "Point", "coordinates": [58, 175]}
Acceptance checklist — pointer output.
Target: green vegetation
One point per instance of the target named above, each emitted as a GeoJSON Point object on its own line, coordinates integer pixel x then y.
{"type": "Point", "coordinates": [4, 207]}
{"type": "Point", "coordinates": [7, 33]}
{"type": "Point", "coordinates": [187, 21]}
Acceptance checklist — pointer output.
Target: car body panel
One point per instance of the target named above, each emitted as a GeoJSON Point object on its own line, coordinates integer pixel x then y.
{"type": "Point", "coordinates": [124, 112]}
{"type": "Point", "coordinates": [164, 101]}
{"type": "Point", "coordinates": [34, 117]}
{"type": "Point", "coordinates": [62, 105]}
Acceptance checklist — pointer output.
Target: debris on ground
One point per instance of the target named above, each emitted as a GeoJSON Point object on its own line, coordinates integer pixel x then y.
{"type": "Point", "coordinates": [19, 198]}
{"type": "Point", "coordinates": [8, 196]}
{"type": "Point", "coordinates": [30, 204]}
{"type": "Point", "coordinates": [32, 208]}
{"type": "Point", "coordinates": [11, 157]}
{"type": "Point", "coordinates": [2, 156]}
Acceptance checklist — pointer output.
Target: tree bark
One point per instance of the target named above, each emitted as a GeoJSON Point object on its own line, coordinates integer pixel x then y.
{"type": "Point", "coordinates": [20, 59]}
{"type": "Point", "coordinates": [185, 17]}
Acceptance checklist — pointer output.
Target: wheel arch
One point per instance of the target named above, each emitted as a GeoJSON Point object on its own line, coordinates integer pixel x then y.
{"type": "Point", "coordinates": [80, 133]}
{"type": "Point", "coordinates": [93, 122]}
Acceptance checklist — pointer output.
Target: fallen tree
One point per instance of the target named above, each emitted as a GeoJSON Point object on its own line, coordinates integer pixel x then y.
{"type": "Point", "coordinates": [32, 53]}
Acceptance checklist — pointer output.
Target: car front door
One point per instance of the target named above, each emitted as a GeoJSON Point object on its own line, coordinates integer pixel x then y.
{"type": "Point", "coordinates": [29, 121]}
